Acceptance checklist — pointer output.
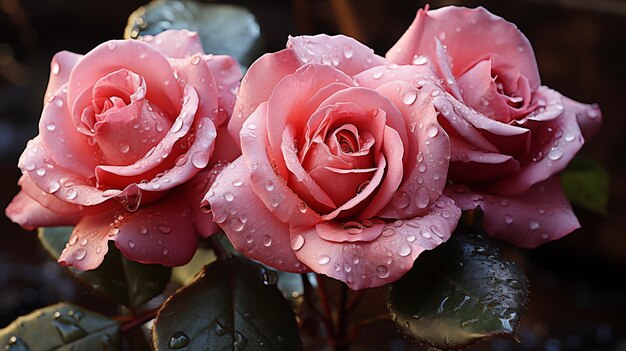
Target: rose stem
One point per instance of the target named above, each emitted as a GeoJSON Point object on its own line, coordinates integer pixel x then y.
{"type": "Point", "coordinates": [139, 320]}
{"type": "Point", "coordinates": [343, 344]}
{"type": "Point", "coordinates": [325, 303]}
{"type": "Point", "coordinates": [217, 247]}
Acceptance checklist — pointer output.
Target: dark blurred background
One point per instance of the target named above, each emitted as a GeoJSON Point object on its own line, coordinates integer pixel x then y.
{"type": "Point", "coordinates": [578, 290]}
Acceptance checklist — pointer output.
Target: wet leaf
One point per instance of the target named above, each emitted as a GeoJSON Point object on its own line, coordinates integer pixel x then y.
{"type": "Point", "coordinates": [126, 282]}
{"type": "Point", "coordinates": [459, 293]}
{"type": "Point", "coordinates": [61, 327]}
{"type": "Point", "coordinates": [223, 29]}
{"type": "Point", "coordinates": [586, 184]}
{"type": "Point", "coordinates": [234, 304]}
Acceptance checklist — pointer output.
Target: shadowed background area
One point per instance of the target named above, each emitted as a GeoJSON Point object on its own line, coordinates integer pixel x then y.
{"type": "Point", "coordinates": [578, 298]}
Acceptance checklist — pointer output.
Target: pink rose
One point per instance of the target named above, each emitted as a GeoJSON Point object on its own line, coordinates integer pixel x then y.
{"type": "Point", "coordinates": [121, 127]}
{"type": "Point", "coordinates": [335, 177]}
{"type": "Point", "coordinates": [509, 135]}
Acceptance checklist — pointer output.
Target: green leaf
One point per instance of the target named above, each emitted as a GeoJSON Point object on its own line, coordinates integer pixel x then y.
{"type": "Point", "coordinates": [234, 304]}
{"type": "Point", "coordinates": [586, 184]}
{"type": "Point", "coordinates": [61, 327]}
{"type": "Point", "coordinates": [223, 29]}
{"type": "Point", "coordinates": [458, 293]}
{"type": "Point", "coordinates": [127, 282]}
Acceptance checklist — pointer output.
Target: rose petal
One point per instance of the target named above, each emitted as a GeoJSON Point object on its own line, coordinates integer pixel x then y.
{"type": "Point", "coordinates": [89, 242]}
{"type": "Point", "coordinates": [227, 74]}
{"type": "Point", "coordinates": [470, 35]}
{"type": "Point", "coordinates": [60, 68]}
{"type": "Point", "coordinates": [384, 260]}
{"type": "Point", "coordinates": [47, 200]}
{"type": "Point", "coordinates": [288, 99]}
{"type": "Point", "coordinates": [49, 176]}
{"type": "Point", "coordinates": [135, 56]}
{"type": "Point", "coordinates": [379, 75]}
{"type": "Point", "coordinates": [195, 190]}
{"type": "Point", "coordinates": [589, 117]}
{"type": "Point", "coordinates": [29, 214]}
{"type": "Point", "coordinates": [175, 43]}
{"type": "Point", "coordinates": [271, 189]}
{"type": "Point", "coordinates": [194, 72]}
{"type": "Point", "coordinates": [237, 209]}
{"type": "Point", "coordinates": [67, 147]}
{"type": "Point", "coordinates": [426, 152]}
{"type": "Point", "coordinates": [530, 219]}
{"type": "Point", "coordinates": [259, 83]}
{"type": "Point", "coordinates": [344, 53]}
{"type": "Point", "coordinates": [469, 165]}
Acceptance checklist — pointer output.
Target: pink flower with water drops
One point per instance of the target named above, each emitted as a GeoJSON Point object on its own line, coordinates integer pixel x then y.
{"type": "Point", "coordinates": [336, 176]}
{"type": "Point", "coordinates": [509, 135]}
{"type": "Point", "coordinates": [126, 137]}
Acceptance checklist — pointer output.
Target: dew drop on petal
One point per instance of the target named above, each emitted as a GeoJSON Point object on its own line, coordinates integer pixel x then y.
{"type": "Point", "coordinates": [555, 154]}
{"type": "Point", "coordinates": [323, 260]}
{"type": "Point", "coordinates": [382, 271]}
{"type": "Point", "coordinates": [432, 130]}
{"type": "Point", "coordinates": [405, 250]}
{"type": "Point", "coordinates": [111, 45]}
{"type": "Point", "coordinates": [348, 51]}
{"type": "Point", "coordinates": [236, 224]}
{"type": "Point", "coordinates": [425, 234]}
{"type": "Point", "coordinates": [508, 219]}
{"type": "Point", "coordinates": [228, 196]}
{"type": "Point", "coordinates": [533, 225]}
{"type": "Point", "coordinates": [51, 126]}
{"type": "Point", "coordinates": [419, 60]}
{"type": "Point", "coordinates": [131, 244]}
{"type": "Point", "coordinates": [165, 229]}
{"type": "Point", "coordinates": [124, 147]}
{"type": "Point", "coordinates": [53, 186]}
{"type": "Point", "coordinates": [55, 68]}
{"type": "Point", "coordinates": [269, 185]}
{"type": "Point", "coordinates": [266, 240]}
{"type": "Point", "coordinates": [297, 242]}
{"type": "Point", "coordinates": [71, 194]}
{"type": "Point", "coordinates": [409, 97]}
{"type": "Point", "coordinates": [79, 254]}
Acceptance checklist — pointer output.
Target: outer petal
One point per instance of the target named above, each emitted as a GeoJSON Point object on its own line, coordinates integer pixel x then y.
{"type": "Point", "coordinates": [589, 116]}
{"type": "Point", "coordinates": [227, 75]}
{"type": "Point", "coordinates": [47, 200]}
{"type": "Point", "coordinates": [470, 35]}
{"type": "Point", "coordinates": [427, 151]}
{"type": "Point", "coordinates": [250, 226]}
{"type": "Point", "coordinates": [60, 69]}
{"type": "Point", "coordinates": [65, 145]}
{"type": "Point", "coordinates": [195, 190]}
{"type": "Point", "coordinates": [29, 214]}
{"type": "Point", "coordinates": [344, 53]}
{"type": "Point", "coordinates": [384, 260]}
{"type": "Point", "coordinates": [176, 43]}
{"type": "Point", "coordinates": [528, 220]}
{"type": "Point", "coordinates": [270, 188]}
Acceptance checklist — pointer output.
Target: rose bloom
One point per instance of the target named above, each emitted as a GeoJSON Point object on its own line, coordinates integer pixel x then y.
{"type": "Point", "coordinates": [509, 135]}
{"type": "Point", "coordinates": [122, 126]}
{"type": "Point", "coordinates": [337, 175]}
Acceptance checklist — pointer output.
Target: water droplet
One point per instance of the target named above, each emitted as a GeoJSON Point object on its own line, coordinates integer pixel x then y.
{"type": "Point", "coordinates": [240, 341]}
{"type": "Point", "coordinates": [179, 339]}
{"type": "Point", "coordinates": [592, 114]}
{"type": "Point", "coordinates": [111, 45]}
{"type": "Point", "coordinates": [348, 51]}
{"type": "Point", "coordinates": [199, 159]}
{"type": "Point", "coordinates": [71, 193]}
{"type": "Point", "coordinates": [237, 183]}
{"type": "Point", "coordinates": [219, 329]}
{"type": "Point", "coordinates": [228, 196]}
{"type": "Point", "coordinates": [83, 242]}
{"type": "Point", "coordinates": [432, 130]}
{"type": "Point", "coordinates": [555, 154]}
{"type": "Point", "coordinates": [382, 271]}
{"type": "Point", "coordinates": [131, 244]}
{"type": "Point", "coordinates": [269, 185]}
{"type": "Point", "coordinates": [297, 242]}
{"type": "Point", "coordinates": [533, 225]}
{"type": "Point", "coordinates": [58, 102]}
{"type": "Point", "coordinates": [251, 126]}
{"type": "Point", "coordinates": [323, 260]}
{"type": "Point", "coordinates": [55, 68]}
{"type": "Point", "coordinates": [236, 224]}
{"type": "Point", "coordinates": [165, 229]}
{"type": "Point", "coordinates": [51, 126]}
{"type": "Point", "coordinates": [98, 249]}
{"type": "Point", "coordinates": [178, 125]}
{"type": "Point", "coordinates": [508, 219]}
{"type": "Point", "coordinates": [79, 254]}
{"type": "Point", "coordinates": [53, 186]}
{"type": "Point", "coordinates": [377, 74]}
{"type": "Point", "coordinates": [269, 277]}
{"type": "Point", "coordinates": [388, 232]}
{"type": "Point", "coordinates": [124, 147]}
{"type": "Point", "coordinates": [195, 60]}
{"type": "Point", "coordinates": [41, 172]}
{"type": "Point", "coordinates": [434, 93]}
{"type": "Point", "coordinates": [67, 327]}
{"type": "Point", "coordinates": [266, 240]}
{"type": "Point", "coordinates": [143, 230]}
{"type": "Point", "coordinates": [409, 97]}
{"type": "Point", "coordinates": [405, 250]}
{"type": "Point", "coordinates": [419, 60]}
{"type": "Point", "coordinates": [426, 234]}
{"type": "Point", "coordinates": [219, 216]}
{"type": "Point", "coordinates": [73, 240]}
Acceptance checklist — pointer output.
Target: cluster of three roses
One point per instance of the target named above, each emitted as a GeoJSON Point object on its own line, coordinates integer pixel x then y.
{"type": "Point", "coordinates": [327, 157]}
